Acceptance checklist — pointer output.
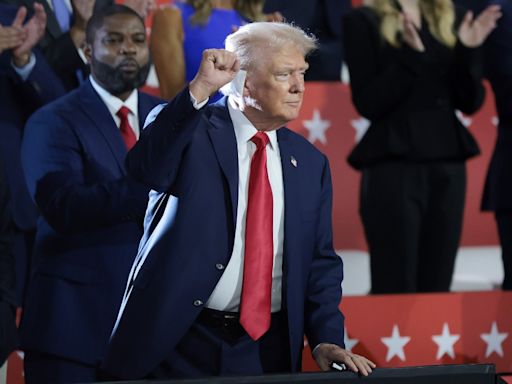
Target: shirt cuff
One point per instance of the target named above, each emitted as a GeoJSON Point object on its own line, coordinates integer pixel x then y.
{"type": "Point", "coordinates": [24, 72]}
{"type": "Point", "coordinates": [197, 104]}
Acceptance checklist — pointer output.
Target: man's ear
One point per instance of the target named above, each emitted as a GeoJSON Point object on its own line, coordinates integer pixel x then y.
{"type": "Point", "coordinates": [88, 52]}
{"type": "Point", "coordinates": [247, 87]}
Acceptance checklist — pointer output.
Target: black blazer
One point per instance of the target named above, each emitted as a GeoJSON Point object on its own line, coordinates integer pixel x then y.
{"type": "Point", "coordinates": [410, 97]}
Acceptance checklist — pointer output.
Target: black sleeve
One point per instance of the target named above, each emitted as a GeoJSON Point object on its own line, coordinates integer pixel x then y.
{"type": "Point", "coordinates": [466, 78]}
{"type": "Point", "coordinates": [466, 72]}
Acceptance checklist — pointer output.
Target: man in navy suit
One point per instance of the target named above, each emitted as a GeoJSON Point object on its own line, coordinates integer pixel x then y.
{"type": "Point", "coordinates": [237, 262]}
{"type": "Point", "coordinates": [73, 157]}
{"type": "Point", "coordinates": [26, 83]}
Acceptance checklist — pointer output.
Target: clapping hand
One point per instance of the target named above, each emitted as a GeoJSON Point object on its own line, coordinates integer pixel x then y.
{"type": "Point", "coordinates": [410, 34]}
{"type": "Point", "coordinates": [10, 37]}
{"type": "Point", "coordinates": [474, 31]}
{"type": "Point", "coordinates": [22, 38]}
{"type": "Point", "coordinates": [33, 31]}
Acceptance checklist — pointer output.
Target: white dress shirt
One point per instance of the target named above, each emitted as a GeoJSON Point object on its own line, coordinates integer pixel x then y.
{"type": "Point", "coordinates": [226, 295]}
{"type": "Point", "coordinates": [114, 104]}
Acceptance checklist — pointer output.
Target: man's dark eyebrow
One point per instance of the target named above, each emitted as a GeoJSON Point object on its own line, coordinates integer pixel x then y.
{"type": "Point", "coordinates": [116, 33]}
{"type": "Point", "coordinates": [110, 33]}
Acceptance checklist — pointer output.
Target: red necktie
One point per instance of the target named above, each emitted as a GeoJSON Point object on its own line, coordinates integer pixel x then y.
{"type": "Point", "coordinates": [125, 128]}
{"type": "Point", "coordinates": [259, 246]}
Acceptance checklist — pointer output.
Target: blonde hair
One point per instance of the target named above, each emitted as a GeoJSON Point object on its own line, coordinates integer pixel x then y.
{"type": "Point", "coordinates": [252, 10]}
{"type": "Point", "coordinates": [440, 16]}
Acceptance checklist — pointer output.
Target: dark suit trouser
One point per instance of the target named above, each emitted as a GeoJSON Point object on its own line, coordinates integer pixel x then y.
{"type": "Point", "coordinates": [43, 368]}
{"type": "Point", "coordinates": [504, 221]}
{"type": "Point", "coordinates": [412, 216]}
{"type": "Point", "coordinates": [212, 351]}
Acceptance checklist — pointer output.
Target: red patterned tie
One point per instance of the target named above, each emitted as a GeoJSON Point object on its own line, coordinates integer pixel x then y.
{"type": "Point", "coordinates": [259, 246]}
{"type": "Point", "coordinates": [125, 128]}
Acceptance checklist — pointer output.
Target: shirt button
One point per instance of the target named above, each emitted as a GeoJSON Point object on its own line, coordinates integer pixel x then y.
{"type": "Point", "coordinates": [219, 266]}
{"type": "Point", "coordinates": [198, 303]}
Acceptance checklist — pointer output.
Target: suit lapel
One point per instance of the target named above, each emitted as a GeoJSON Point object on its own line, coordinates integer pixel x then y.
{"type": "Point", "coordinates": [222, 135]}
{"type": "Point", "coordinates": [103, 123]}
{"type": "Point", "coordinates": [146, 104]}
{"type": "Point", "coordinates": [290, 161]}
{"type": "Point", "coordinates": [291, 187]}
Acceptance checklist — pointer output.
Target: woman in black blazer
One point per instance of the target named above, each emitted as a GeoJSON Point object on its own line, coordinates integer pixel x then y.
{"type": "Point", "coordinates": [412, 64]}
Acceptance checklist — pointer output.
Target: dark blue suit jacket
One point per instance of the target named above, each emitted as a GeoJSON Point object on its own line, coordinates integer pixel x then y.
{"type": "Point", "coordinates": [193, 156]}
{"type": "Point", "coordinates": [498, 68]}
{"type": "Point", "coordinates": [73, 158]}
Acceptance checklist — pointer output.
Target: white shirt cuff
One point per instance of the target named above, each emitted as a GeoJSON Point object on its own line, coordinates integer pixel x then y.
{"type": "Point", "coordinates": [24, 72]}
{"type": "Point", "coordinates": [197, 104]}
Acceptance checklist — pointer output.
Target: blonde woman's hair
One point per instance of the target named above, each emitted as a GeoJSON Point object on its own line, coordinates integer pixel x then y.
{"type": "Point", "coordinates": [440, 16]}
{"type": "Point", "coordinates": [252, 10]}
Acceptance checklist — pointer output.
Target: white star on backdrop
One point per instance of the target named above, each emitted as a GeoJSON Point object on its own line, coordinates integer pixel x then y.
{"type": "Point", "coordinates": [317, 127]}
{"type": "Point", "coordinates": [361, 125]}
{"type": "Point", "coordinates": [349, 343]}
{"type": "Point", "coordinates": [495, 121]}
{"type": "Point", "coordinates": [445, 342]}
{"type": "Point", "coordinates": [395, 344]}
{"type": "Point", "coordinates": [494, 340]}
{"type": "Point", "coordinates": [466, 121]}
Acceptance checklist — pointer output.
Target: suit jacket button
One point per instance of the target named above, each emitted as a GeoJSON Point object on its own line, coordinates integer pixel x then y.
{"type": "Point", "coordinates": [198, 303]}
{"type": "Point", "coordinates": [219, 266]}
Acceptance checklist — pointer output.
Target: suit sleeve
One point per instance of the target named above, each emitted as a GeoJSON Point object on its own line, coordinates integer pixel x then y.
{"type": "Point", "coordinates": [466, 78]}
{"type": "Point", "coordinates": [323, 319]}
{"type": "Point", "coordinates": [7, 274]}
{"type": "Point", "coordinates": [72, 189]}
{"type": "Point", "coordinates": [156, 158]}
{"type": "Point", "coordinates": [375, 90]}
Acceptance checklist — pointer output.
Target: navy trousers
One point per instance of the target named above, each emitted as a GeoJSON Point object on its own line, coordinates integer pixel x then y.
{"type": "Point", "coordinates": [218, 348]}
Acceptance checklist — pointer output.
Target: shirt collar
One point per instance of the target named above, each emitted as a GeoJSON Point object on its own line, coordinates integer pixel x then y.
{"type": "Point", "coordinates": [113, 103]}
{"type": "Point", "coordinates": [244, 130]}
